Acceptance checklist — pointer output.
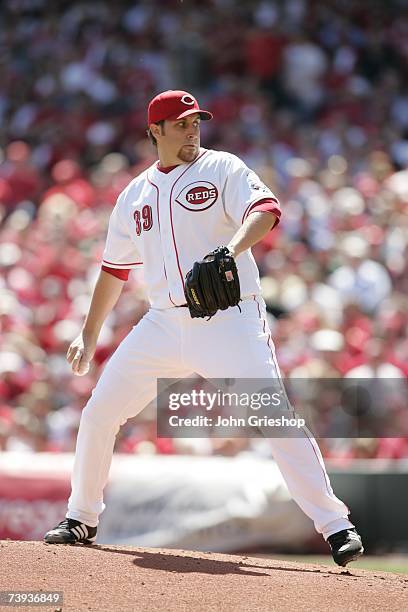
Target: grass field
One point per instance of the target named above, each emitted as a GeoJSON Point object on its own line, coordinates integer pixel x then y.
{"type": "Point", "coordinates": [397, 564]}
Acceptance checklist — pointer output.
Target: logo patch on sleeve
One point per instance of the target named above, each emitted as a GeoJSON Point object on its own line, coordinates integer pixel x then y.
{"type": "Point", "coordinates": [255, 183]}
{"type": "Point", "coordinates": [197, 196]}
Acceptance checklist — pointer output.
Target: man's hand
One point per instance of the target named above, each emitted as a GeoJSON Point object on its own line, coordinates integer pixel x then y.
{"type": "Point", "coordinates": [106, 293]}
{"type": "Point", "coordinates": [80, 354]}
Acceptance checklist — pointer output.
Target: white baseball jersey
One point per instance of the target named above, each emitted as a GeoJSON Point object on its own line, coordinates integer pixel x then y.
{"type": "Point", "coordinates": [166, 222]}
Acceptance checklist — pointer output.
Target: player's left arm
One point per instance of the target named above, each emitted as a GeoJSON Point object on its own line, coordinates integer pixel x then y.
{"type": "Point", "coordinates": [213, 283]}
{"type": "Point", "coordinates": [249, 203]}
{"type": "Point", "coordinates": [254, 228]}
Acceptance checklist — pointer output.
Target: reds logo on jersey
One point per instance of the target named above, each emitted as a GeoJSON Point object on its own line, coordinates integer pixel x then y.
{"type": "Point", "coordinates": [197, 196]}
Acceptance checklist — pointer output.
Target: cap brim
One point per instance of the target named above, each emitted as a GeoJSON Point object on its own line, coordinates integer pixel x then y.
{"type": "Point", "coordinates": [204, 115]}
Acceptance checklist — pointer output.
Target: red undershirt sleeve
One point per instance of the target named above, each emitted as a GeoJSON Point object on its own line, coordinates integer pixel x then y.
{"type": "Point", "coordinates": [266, 205]}
{"type": "Point", "coordinates": [119, 273]}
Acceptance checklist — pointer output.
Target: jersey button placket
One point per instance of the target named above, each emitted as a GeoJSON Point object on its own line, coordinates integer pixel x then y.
{"type": "Point", "coordinates": [165, 208]}
{"type": "Point", "coordinates": [166, 232]}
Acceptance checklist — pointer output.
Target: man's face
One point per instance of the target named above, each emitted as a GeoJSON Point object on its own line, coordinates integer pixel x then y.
{"type": "Point", "coordinates": [179, 140]}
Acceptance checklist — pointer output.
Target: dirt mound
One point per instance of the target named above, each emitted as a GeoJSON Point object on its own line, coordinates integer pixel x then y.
{"type": "Point", "coordinates": [127, 579]}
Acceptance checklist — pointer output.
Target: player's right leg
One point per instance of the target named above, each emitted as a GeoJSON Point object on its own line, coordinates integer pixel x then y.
{"type": "Point", "coordinates": [127, 384]}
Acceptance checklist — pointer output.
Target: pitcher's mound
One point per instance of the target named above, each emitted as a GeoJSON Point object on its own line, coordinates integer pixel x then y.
{"type": "Point", "coordinates": [128, 579]}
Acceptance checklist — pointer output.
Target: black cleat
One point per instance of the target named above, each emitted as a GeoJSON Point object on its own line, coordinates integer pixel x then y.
{"type": "Point", "coordinates": [70, 531]}
{"type": "Point", "coordinates": [345, 546]}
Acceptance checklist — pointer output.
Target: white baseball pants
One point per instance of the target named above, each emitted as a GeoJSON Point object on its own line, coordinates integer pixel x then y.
{"type": "Point", "coordinates": [169, 344]}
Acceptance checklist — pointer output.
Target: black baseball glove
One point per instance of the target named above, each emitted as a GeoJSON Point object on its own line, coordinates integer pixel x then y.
{"type": "Point", "coordinates": [212, 284]}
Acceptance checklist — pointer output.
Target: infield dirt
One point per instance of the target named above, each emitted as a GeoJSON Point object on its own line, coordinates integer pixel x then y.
{"type": "Point", "coordinates": [128, 579]}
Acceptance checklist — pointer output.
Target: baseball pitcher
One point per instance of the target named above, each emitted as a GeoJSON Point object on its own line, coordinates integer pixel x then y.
{"type": "Point", "coordinates": [190, 220]}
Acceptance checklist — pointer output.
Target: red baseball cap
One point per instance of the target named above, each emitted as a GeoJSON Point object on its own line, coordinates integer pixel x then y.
{"type": "Point", "coordinates": [173, 105]}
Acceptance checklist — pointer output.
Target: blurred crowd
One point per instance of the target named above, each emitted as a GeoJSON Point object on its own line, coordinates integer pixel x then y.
{"type": "Point", "coordinates": [312, 95]}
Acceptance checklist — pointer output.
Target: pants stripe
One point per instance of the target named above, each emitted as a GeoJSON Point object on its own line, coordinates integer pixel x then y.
{"type": "Point", "coordinates": [269, 341]}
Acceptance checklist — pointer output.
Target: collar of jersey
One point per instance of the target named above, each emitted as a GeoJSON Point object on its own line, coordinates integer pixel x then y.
{"type": "Point", "coordinates": [166, 170]}
{"type": "Point", "coordinates": [177, 171]}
